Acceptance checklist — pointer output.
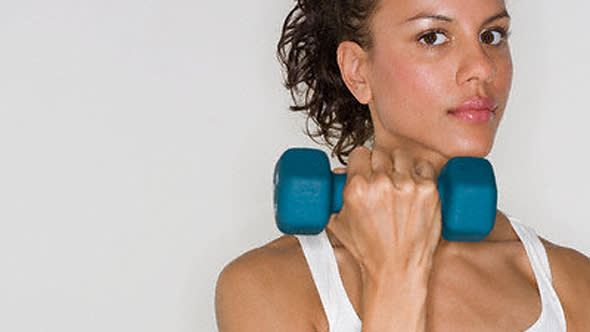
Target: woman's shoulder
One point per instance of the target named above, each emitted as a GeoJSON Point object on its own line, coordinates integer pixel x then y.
{"type": "Point", "coordinates": [267, 262]}
{"type": "Point", "coordinates": [256, 291]}
{"type": "Point", "coordinates": [267, 255]}
{"type": "Point", "coordinates": [571, 279]}
{"type": "Point", "coordinates": [568, 266]}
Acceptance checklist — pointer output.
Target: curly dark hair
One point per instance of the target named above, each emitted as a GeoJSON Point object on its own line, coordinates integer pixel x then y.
{"type": "Point", "coordinates": [307, 49]}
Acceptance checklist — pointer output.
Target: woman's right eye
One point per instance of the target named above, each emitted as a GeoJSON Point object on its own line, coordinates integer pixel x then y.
{"type": "Point", "coordinates": [433, 38]}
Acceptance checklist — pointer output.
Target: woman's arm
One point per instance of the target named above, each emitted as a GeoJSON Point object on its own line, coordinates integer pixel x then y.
{"type": "Point", "coordinates": [390, 222]}
{"type": "Point", "coordinates": [252, 295]}
{"type": "Point", "coordinates": [381, 302]}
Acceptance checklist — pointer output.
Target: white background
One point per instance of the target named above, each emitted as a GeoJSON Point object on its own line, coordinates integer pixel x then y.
{"type": "Point", "coordinates": [138, 139]}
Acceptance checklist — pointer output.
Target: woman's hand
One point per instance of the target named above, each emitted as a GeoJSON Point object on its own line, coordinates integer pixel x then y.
{"type": "Point", "coordinates": [390, 222]}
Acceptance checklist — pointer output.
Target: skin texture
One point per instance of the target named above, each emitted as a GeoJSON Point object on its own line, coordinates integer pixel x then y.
{"type": "Point", "coordinates": [397, 270]}
{"type": "Point", "coordinates": [423, 83]}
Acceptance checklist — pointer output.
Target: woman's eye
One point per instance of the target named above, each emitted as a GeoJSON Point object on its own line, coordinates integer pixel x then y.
{"type": "Point", "coordinates": [491, 37]}
{"type": "Point", "coordinates": [433, 38]}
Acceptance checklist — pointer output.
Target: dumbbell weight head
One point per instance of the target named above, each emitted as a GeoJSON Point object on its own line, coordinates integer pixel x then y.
{"type": "Point", "coordinates": [468, 193]}
{"type": "Point", "coordinates": [306, 192]}
{"type": "Point", "coordinates": [303, 191]}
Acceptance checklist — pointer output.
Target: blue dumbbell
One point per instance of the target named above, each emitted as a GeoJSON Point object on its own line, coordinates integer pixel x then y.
{"type": "Point", "coordinates": [306, 192]}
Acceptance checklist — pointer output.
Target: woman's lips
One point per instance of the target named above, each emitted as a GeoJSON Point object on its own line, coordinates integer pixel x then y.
{"type": "Point", "coordinates": [475, 110]}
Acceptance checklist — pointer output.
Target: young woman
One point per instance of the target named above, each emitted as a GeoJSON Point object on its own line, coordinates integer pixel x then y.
{"type": "Point", "coordinates": [422, 81]}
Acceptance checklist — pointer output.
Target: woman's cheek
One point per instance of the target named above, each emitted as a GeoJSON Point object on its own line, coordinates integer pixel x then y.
{"type": "Point", "coordinates": [410, 96]}
{"type": "Point", "coordinates": [425, 86]}
{"type": "Point", "coordinates": [507, 76]}
{"type": "Point", "coordinates": [503, 80]}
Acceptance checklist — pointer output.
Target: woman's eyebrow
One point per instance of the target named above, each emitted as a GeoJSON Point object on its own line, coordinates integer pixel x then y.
{"type": "Point", "coordinates": [439, 17]}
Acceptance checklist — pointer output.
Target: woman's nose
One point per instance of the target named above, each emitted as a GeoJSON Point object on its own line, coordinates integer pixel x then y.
{"type": "Point", "coordinates": [475, 65]}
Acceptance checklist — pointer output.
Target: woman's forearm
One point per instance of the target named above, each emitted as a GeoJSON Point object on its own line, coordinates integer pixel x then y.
{"type": "Point", "coordinates": [395, 302]}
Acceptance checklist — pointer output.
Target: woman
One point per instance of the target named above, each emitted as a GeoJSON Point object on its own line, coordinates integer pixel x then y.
{"type": "Point", "coordinates": [423, 81]}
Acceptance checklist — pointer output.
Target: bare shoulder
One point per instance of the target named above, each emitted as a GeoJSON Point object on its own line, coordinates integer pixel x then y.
{"type": "Point", "coordinates": [571, 279]}
{"type": "Point", "coordinates": [255, 292]}
{"type": "Point", "coordinates": [568, 264]}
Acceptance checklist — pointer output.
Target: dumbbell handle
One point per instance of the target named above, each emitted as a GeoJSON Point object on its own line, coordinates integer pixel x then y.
{"type": "Point", "coordinates": [338, 181]}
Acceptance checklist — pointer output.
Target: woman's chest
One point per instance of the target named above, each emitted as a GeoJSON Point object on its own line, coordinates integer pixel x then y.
{"type": "Point", "coordinates": [495, 294]}
{"type": "Point", "coordinates": [502, 301]}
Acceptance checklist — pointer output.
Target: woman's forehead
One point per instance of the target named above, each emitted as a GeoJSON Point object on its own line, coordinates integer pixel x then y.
{"type": "Point", "coordinates": [401, 11]}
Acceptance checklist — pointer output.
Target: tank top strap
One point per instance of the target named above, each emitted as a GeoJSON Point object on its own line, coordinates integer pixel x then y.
{"type": "Point", "coordinates": [552, 317]}
{"type": "Point", "coordinates": [322, 263]}
{"type": "Point", "coordinates": [534, 248]}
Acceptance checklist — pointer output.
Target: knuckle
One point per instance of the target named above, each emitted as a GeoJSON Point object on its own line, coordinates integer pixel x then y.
{"type": "Point", "coordinates": [382, 183]}
{"type": "Point", "coordinates": [425, 169]}
{"type": "Point", "coordinates": [355, 188]}
{"type": "Point", "coordinates": [428, 188]}
{"type": "Point", "coordinates": [406, 184]}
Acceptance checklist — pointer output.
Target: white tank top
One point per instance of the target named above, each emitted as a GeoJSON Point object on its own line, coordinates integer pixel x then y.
{"type": "Point", "coordinates": [340, 312]}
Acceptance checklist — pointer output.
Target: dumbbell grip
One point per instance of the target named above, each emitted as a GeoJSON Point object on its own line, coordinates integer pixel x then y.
{"type": "Point", "coordinates": [338, 181]}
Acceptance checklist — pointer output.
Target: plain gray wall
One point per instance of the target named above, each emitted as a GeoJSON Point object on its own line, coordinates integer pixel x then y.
{"type": "Point", "coordinates": [138, 139]}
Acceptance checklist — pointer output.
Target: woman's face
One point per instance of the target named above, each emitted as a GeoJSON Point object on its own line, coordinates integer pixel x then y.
{"type": "Point", "coordinates": [428, 58]}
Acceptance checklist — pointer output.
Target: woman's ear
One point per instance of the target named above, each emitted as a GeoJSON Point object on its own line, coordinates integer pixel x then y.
{"type": "Point", "coordinates": [352, 60]}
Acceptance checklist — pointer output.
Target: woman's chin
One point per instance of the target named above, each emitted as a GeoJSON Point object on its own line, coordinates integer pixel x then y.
{"type": "Point", "coordinates": [472, 148]}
